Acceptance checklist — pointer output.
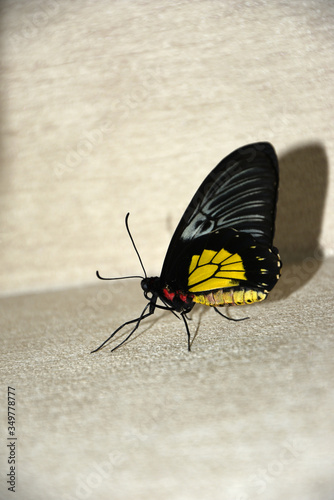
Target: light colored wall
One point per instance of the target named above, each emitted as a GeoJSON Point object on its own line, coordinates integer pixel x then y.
{"type": "Point", "coordinates": [117, 106]}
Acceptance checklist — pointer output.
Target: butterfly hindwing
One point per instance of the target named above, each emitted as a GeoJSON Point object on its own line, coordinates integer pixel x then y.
{"type": "Point", "coordinates": [241, 262]}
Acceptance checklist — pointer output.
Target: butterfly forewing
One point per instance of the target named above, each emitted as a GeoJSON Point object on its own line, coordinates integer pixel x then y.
{"type": "Point", "coordinates": [239, 194]}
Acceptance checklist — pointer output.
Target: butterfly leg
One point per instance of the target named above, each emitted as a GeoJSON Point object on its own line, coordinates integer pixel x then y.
{"type": "Point", "coordinates": [227, 317]}
{"type": "Point", "coordinates": [136, 320]}
{"type": "Point", "coordinates": [184, 317]}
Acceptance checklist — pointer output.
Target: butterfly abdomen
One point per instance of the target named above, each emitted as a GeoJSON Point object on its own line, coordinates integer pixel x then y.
{"type": "Point", "coordinates": [230, 297]}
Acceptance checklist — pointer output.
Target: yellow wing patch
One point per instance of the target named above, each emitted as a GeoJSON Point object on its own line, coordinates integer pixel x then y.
{"type": "Point", "coordinates": [212, 270]}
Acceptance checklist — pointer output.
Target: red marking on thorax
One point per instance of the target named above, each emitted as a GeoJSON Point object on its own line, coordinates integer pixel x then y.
{"type": "Point", "coordinates": [168, 295]}
{"type": "Point", "coordinates": [183, 297]}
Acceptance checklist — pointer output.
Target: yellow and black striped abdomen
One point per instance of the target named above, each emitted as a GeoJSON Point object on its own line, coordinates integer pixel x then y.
{"type": "Point", "coordinates": [229, 297]}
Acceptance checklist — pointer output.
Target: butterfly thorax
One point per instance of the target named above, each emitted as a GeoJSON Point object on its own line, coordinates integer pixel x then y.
{"type": "Point", "coordinates": [178, 300]}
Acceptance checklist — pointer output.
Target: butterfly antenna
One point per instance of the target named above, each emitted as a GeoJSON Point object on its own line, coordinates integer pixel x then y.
{"type": "Point", "coordinates": [134, 246]}
{"type": "Point", "coordinates": [133, 243]}
{"type": "Point", "coordinates": [120, 278]}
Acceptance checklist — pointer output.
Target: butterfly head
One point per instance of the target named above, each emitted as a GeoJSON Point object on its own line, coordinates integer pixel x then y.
{"type": "Point", "coordinates": [150, 287]}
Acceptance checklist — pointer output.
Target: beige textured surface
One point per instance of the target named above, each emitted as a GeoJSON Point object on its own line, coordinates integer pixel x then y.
{"type": "Point", "coordinates": [116, 106]}
{"type": "Point", "coordinates": [247, 414]}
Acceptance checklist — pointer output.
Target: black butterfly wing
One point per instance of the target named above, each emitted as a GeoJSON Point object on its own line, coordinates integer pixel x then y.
{"type": "Point", "coordinates": [240, 194]}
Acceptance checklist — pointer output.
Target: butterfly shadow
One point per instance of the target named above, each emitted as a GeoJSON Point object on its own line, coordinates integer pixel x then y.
{"type": "Point", "coordinates": [199, 313]}
{"type": "Point", "coordinates": [302, 194]}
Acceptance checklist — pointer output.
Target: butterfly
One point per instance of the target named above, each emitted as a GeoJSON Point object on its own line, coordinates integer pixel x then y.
{"type": "Point", "coordinates": [221, 253]}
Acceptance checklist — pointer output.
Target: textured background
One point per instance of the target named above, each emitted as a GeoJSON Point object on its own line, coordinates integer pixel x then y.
{"type": "Point", "coordinates": [110, 107]}
{"type": "Point", "coordinates": [116, 106]}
